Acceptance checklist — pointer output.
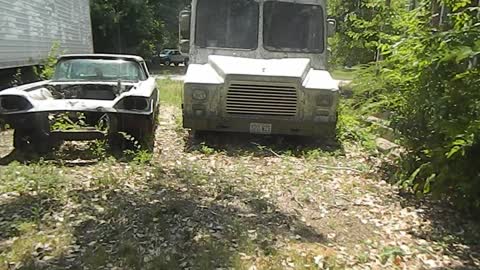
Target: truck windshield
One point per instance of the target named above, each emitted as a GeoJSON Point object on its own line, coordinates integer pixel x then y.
{"type": "Point", "coordinates": [227, 24]}
{"type": "Point", "coordinates": [98, 70]}
{"type": "Point", "coordinates": [293, 27]}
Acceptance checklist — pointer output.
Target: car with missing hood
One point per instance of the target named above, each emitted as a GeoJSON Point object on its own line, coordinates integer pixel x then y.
{"type": "Point", "coordinates": [91, 96]}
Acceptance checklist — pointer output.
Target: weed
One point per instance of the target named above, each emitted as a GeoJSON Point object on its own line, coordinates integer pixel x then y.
{"type": "Point", "coordinates": [47, 70]}
{"type": "Point", "coordinates": [142, 157]}
{"type": "Point", "coordinates": [171, 92]}
{"type": "Point", "coordinates": [39, 178]}
{"type": "Point", "coordinates": [66, 121]}
{"type": "Point", "coordinates": [205, 149]}
{"type": "Point", "coordinates": [98, 148]}
{"type": "Point", "coordinates": [390, 253]}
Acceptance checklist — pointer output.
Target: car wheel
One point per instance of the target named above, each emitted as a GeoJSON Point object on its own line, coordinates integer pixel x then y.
{"type": "Point", "coordinates": [142, 138]}
{"type": "Point", "coordinates": [167, 63]}
{"type": "Point", "coordinates": [32, 140]}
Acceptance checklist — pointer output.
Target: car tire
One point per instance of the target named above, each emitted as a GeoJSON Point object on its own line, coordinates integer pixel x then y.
{"type": "Point", "coordinates": [134, 139]}
{"type": "Point", "coordinates": [32, 140]}
{"type": "Point", "coordinates": [176, 64]}
{"type": "Point", "coordinates": [167, 63]}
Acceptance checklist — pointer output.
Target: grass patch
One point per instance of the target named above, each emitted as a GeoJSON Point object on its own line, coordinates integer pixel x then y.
{"type": "Point", "coordinates": [171, 92]}
{"type": "Point", "coordinates": [38, 178]}
{"type": "Point", "coordinates": [34, 246]}
{"type": "Point", "coordinates": [164, 70]}
{"type": "Point", "coordinates": [344, 74]}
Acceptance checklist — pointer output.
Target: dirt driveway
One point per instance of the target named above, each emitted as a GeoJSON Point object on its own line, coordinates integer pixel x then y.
{"type": "Point", "coordinates": [224, 202]}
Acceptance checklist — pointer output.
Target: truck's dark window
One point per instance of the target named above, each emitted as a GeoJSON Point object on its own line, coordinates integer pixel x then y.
{"type": "Point", "coordinates": [293, 27]}
{"type": "Point", "coordinates": [227, 24]}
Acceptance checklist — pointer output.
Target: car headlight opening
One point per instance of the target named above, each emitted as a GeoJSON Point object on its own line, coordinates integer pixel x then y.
{"type": "Point", "coordinates": [135, 104]}
{"type": "Point", "coordinates": [14, 103]}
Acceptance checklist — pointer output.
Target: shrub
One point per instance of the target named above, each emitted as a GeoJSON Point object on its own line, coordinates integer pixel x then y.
{"type": "Point", "coordinates": [429, 82]}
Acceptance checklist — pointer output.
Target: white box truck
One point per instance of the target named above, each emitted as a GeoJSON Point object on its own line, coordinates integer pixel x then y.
{"type": "Point", "coordinates": [258, 66]}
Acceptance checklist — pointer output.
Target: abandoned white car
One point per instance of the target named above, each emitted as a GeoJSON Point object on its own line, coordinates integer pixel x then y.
{"type": "Point", "coordinates": [94, 96]}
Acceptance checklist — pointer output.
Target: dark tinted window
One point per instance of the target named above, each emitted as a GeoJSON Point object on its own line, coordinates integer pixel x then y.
{"type": "Point", "coordinates": [227, 24]}
{"type": "Point", "coordinates": [293, 27]}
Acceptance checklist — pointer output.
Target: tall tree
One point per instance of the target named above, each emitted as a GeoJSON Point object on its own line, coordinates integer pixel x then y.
{"type": "Point", "coordinates": [134, 26]}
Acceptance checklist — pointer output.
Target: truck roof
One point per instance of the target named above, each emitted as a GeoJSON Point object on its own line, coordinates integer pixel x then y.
{"type": "Point", "coordinates": [103, 56]}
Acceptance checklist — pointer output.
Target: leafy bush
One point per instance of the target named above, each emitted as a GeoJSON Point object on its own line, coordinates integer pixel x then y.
{"type": "Point", "coordinates": [47, 67]}
{"type": "Point", "coordinates": [429, 82]}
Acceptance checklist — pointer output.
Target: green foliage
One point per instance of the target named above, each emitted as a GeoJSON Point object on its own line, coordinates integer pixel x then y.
{"type": "Point", "coordinates": [47, 67]}
{"type": "Point", "coordinates": [351, 128]}
{"type": "Point", "coordinates": [363, 28]}
{"type": "Point", "coordinates": [429, 82]}
{"type": "Point", "coordinates": [40, 178]}
{"type": "Point", "coordinates": [64, 121]}
{"type": "Point", "coordinates": [136, 27]}
{"type": "Point", "coordinates": [171, 92]}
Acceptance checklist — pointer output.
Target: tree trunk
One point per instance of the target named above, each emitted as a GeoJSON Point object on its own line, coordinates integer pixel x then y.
{"type": "Point", "coordinates": [436, 13]}
{"type": "Point", "coordinates": [413, 5]}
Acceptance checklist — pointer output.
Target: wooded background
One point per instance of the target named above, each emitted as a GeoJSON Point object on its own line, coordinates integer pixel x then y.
{"type": "Point", "coordinates": [135, 26]}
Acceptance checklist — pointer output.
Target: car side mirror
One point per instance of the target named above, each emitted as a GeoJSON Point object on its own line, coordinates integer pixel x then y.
{"type": "Point", "coordinates": [184, 30]}
{"type": "Point", "coordinates": [331, 27]}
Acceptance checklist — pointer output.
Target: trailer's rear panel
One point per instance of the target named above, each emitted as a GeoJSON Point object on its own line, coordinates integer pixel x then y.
{"type": "Point", "coordinates": [29, 29]}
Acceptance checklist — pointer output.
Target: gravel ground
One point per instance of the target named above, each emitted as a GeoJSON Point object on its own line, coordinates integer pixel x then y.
{"type": "Point", "coordinates": [222, 202]}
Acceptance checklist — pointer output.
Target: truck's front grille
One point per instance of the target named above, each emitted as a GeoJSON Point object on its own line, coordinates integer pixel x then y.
{"type": "Point", "coordinates": [258, 98]}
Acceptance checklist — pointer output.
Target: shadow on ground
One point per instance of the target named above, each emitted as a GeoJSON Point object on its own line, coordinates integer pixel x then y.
{"type": "Point", "coordinates": [24, 209]}
{"type": "Point", "coordinates": [458, 231]}
{"type": "Point", "coordinates": [173, 226]}
{"type": "Point", "coordinates": [238, 144]}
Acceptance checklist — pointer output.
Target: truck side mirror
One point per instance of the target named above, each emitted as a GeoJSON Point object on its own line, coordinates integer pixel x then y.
{"type": "Point", "coordinates": [331, 27]}
{"type": "Point", "coordinates": [184, 30]}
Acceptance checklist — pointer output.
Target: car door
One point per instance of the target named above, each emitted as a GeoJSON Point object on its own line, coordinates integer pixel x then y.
{"type": "Point", "coordinates": [177, 57]}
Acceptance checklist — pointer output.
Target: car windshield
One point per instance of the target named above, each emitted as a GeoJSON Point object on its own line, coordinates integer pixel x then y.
{"type": "Point", "coordinates": [98, 70]}
{"type": "Point", "coordinates": [227, 24]}
{"type": "Point", "coordinates": [165, 51]}
{"type": "Point", "coordinates": [293, 27]}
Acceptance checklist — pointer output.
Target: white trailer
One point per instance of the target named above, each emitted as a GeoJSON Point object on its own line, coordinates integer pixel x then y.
{"type": "Point", "coordinates": [29, 29]}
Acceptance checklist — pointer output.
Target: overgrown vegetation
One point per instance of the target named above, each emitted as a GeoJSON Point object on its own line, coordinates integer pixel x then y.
{"type": "Point", "coordinates": [171, 92]}
{"type": "Point", "coordinates": [135, 27]}
{"type": "Point", "coordinates": [427, 81]}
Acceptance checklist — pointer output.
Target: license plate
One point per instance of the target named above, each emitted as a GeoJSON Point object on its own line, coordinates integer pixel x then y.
{"type": "Point", "coordinates": [260, 128]}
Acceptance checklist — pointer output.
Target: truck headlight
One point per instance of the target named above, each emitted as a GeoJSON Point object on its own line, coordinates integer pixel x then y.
{"type": "Point", "coordinates": [324, 100]}
{"type": "Point", "coordinates": [14, 103]}
{"type": "Point", "coordinates": [199, 94]}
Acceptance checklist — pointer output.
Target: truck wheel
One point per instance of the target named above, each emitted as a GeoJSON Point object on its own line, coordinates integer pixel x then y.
{"type": "Point", "coordinates": [31, 140]}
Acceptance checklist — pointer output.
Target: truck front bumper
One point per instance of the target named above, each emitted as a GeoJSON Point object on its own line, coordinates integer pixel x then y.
{"type": "Point", "coordinates": [278, 127]}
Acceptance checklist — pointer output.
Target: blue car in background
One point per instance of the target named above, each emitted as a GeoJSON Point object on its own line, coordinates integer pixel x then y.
{"type": "Point", "coordinates": [170, 56]}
